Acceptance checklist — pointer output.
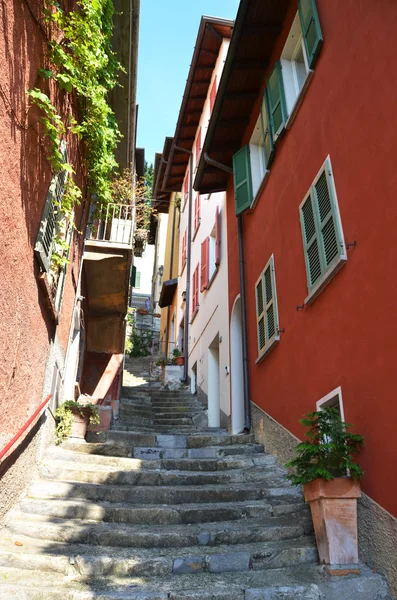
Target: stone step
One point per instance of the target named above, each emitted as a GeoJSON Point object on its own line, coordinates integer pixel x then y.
{"type": "Point", "coordinates": [148, 495]}
{"type": "Point", "coordinates": [170, 421]}
{"type": "Point", "coordinates": [100, 561]}
{"type": "Point", "coordinates": [181, 441]}
{"type": "Point", "coordinates": [129, 409]}
{"type": "Point", "coordinates": [177, 408]}
{"type": "Point", "coordinates": [154, 514]}
{"type": "Point", "coordinates": [87, 455]}
{"type": "Point", "coordinates": [306, 582]}
{"type": "Point", "coordinates": [136, 420]}
{"type": "Point", "coordinates": [205, 452]}
{"type": "Point", "coordinates": [164, 536]}
{"type": "Point", "coordinates": [107, 475]}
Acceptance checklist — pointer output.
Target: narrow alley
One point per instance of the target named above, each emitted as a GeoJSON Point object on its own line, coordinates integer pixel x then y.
{"type": "Point", "coordinates": [165, 511]}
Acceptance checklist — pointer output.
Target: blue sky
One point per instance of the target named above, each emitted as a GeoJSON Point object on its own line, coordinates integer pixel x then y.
{"type": "Point", "coordinates": [168, 31]}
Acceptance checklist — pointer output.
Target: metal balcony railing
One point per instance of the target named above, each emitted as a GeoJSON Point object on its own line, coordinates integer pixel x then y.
{"type": "Point", "coordinates": [113, 224]}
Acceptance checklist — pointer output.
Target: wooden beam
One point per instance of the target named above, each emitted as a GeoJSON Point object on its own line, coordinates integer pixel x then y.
{"type": "Point", "coordinates": [242, 94]}
{"type": "Point", "coordinates": [251, 65]}
{"type": "Point", "coordinates": [214, 32]}
{"type": "Point", "coordinates": [202, 97]}
{"type": "Point", "coordinates": [209, 52]}
{"type": "Point", "coordinates": [236, 122]}
{"type": "Point", "coordinates": [274, 28]}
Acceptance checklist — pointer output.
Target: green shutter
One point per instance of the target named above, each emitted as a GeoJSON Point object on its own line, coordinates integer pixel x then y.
{"type": "Point", "coordinates": [133, 276]}
{"type": "Point", "coordinates": [242, 179]}
{"type": "Point", "coordinates": [276, 106]}
{"type": "Point", "coordinates": [266, 308]}
{"type": "Point", "coordinates": [311, 30]}
{"type": "Point", "coordinates": [138, 280]}
{"type": "Point", "coordinates": [321, 230]}
{"type": "Point", "coordinates": [267, 138]}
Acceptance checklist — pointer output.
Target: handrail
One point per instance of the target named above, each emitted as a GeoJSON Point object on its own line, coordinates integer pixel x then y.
{"type": "Point", "coordinates": [16, 437]}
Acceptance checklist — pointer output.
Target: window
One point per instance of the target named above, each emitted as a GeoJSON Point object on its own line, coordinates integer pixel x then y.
{"type": "Point", "coordinates": [184, 253]}
{"type": "Point", "coordinates": [137, 280]}
{"type": "Point", "coordinates": [242, 179]}
{"type": "Point", "coordinates": [213, 94]}
{"type": "Point", "coordinates": [195, 290]}
{"type": "Point", "coordinates": [210, 254]}
{"type": "Point", "coordinates": [332, 400]}
{"type": "Point", "coordinates": [196, 216]}
{"type": "Point", "coordinates": [198, 145]}
{"type": "Point", "coordinates": [54, 226]}
{"type": "Point", "coordinates": [185, 190]}
{"type": "Point", "coordinates": [266, 310]}
{"type": "Point", "coordinates": [205, 253]}
{"type": "Point", "coordinates": [323, 241]}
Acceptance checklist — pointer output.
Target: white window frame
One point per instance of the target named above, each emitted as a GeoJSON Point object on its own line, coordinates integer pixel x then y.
{"type": "Point", "coordinates": [259, 172]}
{"type": "Point", "coordinates": [293, 93]}
{"type": "Point", "coordinates": [269, 344]}
{"type": "Point", "coordinates": [326, 401]}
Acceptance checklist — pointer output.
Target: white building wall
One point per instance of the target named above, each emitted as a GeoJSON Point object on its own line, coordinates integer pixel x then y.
{"type": "Point", "coordinates": [209, 331]}
{"type": "Point", "coordinates": [144, 266]}
{"type": "Point", "coordinates": [161, 240]}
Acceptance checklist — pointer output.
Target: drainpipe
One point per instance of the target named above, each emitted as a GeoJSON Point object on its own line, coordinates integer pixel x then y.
{"type": "Point", "coordinates": [247, 403]}
{"type": "Point", "coordinates": [189, 244]}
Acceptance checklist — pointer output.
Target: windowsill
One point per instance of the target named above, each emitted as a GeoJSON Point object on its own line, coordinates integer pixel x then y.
{"type": "Point", "coordinates": [260, 190]}
{"type": "Point", "coordinates": [299, 100]}
{"type": "Point", "coordinates": [268, 349]}
{"type": "Point", "coordinates": [214, 274]}
{"type": "Point", "coordinates": [196, 230]}
{"type": "Point", "coordinates": [194, 315]}
{"type": "Point", "coordinates": [325, 279]}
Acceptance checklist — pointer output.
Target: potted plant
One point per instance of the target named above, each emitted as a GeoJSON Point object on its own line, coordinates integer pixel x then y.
{"type": "Point", "coordinates": [324, 465]}
{"type": "Point", "coordinates": [177, 357]}
{"type": "Point", "coordinates": [73, 419]}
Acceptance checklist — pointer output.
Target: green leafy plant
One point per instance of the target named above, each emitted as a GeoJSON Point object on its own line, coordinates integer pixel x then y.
{"type": "Point", "coordinates": [140, 342]}
{"type": "Point", "coordinates": [161, 362]}
{"type": "Point", "coordinates": [64, 417]}
{"type": "Point", "coordinates": [329, 451]}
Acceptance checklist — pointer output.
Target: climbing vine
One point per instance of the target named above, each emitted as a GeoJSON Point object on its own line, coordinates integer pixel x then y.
{"type": "Point", "coordinates": [82, 63]}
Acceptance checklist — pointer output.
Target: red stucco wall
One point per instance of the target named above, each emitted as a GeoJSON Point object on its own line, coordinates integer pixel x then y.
{"type": "Point", "coordinates": [348, 336]}
{"type": "Point", "coordinates": [25, 325]}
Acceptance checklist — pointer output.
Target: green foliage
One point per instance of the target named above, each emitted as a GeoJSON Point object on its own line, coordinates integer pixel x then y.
{"type": "Point", "coordinates": [176, 352]}
{"type": "Point", "coordinates": [64, 417]}
{"type": "Point", "coordinates": [328, 452]}
{"type": "Point", "coordinates": [83, 64]}
{"type": "Point", "coordinates": [161, 361]}
{"type": "Point", "coordinates": [140, 342]}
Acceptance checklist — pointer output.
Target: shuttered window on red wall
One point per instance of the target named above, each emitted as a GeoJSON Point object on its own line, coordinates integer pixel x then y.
{"type": "Point", "coordinates": [205, 257]}
{"type": "Point", "coordinates": [217, 237]}
{"type": "Point", "coordinates": [196, 213]}
{"type": "Point", "coordinates": [213, 94]}
{"type": "Point", "coordinates": [198, 145]}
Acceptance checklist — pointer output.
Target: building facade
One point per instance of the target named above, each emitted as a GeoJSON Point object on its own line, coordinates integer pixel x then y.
{"type": "Point", "coordinates": [310, 148]}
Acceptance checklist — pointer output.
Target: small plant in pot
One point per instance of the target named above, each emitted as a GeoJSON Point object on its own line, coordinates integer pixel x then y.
{"type": "Point", "coordinates": [324, 465]}
{"type": "Point", "coordinates": [73, 419]}
{"type": "Point", "coordinates": [177, 357]}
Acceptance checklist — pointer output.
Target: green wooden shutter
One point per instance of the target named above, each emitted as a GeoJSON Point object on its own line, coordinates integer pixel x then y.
{"type": "Point", "coordinates": [311, 29]}
{"type": "Point", "coordinates": [133, 276]}
{"type": "Point", "coordinates": [268, 145]}
{"type": "Point", "coordinates": [321, 229]}
{"type": "Point", "coordinates": [266, 308]}
{"type": "Point", "coordinates": [276, 106]}
{"type": "Point", "coordinates": [314, 267]}
{"type": "Point", "coordinates": [260, 316]}
{"type": "Point", "coordinates": [242, 179]}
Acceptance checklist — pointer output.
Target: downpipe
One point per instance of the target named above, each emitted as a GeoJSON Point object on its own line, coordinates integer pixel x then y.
{"type": "Point", "coordinates": [247, 403]}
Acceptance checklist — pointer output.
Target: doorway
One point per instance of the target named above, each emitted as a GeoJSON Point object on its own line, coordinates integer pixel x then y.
{"type": "Point", "coordinates": [236, 368]}
{"type": "Point", "coordinates": [214, 413]}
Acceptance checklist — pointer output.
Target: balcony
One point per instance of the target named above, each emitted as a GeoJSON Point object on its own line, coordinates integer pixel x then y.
{"type": "Point", "coordinates": [113, 226]}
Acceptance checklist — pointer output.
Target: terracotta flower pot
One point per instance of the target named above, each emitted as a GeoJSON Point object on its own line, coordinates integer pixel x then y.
{"type": "Point", "coordinates": [334, 512]}
{"type": "Point", "coordinates": [80, 424]}
{"type": "Point", "coordinates": [179, 360]}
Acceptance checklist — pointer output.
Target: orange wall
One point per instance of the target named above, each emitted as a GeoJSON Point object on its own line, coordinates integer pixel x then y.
{"type": "Point", "coordinates": [348, 336]}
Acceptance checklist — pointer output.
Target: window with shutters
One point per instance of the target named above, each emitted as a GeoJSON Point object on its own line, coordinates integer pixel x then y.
{"type": "Point", "coordinates": [185, 193]}
{"type": "Point", "coordinates": [53, 239]}
{"type": "Point", "coordinates": [205, 261]}
{"type": "Point", "coordinates": [184, 250]}
{"type": "Point", "coordinates": [213, 94]}
{"type": "Point", "coordinates": [196, 214]}
{"type": "Point", "coordinates": [323, 241]}
{"type": "Point", "coordinates": [214, 248]}
{"type": "Point", "coordinates": [195, 291]}
{"type": "Point", "coordinates": [266, 310]}
{"type": "Point", "coordinates": [198, 146]}
{"type": "Point", "coordinates": [242, 179]}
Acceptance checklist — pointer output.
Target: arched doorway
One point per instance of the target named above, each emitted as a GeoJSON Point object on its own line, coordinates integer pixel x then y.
{"type": "Point", "coordinates": [236, 368]}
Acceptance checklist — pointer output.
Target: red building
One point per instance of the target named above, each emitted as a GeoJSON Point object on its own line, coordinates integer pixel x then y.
{"type": "Point", "coordinates": [309, 102]}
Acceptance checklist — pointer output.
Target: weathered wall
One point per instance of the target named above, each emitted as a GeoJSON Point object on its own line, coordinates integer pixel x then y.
{"type": "Point", "coordinates": [30, 343]}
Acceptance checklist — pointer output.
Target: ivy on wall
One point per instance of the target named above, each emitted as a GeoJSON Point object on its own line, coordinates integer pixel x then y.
{"type": "Point", "coordinates": [82, 63]}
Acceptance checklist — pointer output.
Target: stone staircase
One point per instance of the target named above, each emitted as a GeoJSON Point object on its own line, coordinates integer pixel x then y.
{"type": "Point", "coordinates": [164, 510]}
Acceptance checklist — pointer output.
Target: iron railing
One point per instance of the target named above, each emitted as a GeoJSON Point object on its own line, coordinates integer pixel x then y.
{"type": "Point", "coordinates": [113, 224]}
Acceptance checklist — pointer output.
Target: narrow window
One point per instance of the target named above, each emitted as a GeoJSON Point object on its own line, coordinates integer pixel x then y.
{"type": "Point", "coordinates": [242, 179]}
{"type": "Point", "coordinates": [266, 310]}
{"type": "Point", "coordinates": [322, 234]}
